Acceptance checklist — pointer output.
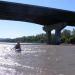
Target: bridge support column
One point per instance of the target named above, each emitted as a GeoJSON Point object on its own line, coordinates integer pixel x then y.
{"type": "Point", "coordinates": [58, 28]}
{"type": "Point", "coordinates": [57, 39]}
{"type": "Point", "coordinates": [48, 29]}
{"type": "Point", "coordinates": [48, 33]}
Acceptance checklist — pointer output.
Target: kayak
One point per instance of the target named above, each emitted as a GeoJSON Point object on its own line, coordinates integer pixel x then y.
{"type": "Point", "coordinates": [18, 50]}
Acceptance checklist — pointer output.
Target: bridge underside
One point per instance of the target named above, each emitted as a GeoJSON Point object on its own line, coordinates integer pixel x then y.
{"type": "Point", "coordinates": [50, 18]}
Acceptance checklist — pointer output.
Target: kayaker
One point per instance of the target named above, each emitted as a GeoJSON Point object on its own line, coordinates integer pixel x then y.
{"type": "Point", "coordinates": [17, 46]}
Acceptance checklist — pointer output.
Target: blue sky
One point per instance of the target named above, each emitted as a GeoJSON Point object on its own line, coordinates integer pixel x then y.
{"type": "Point", "coordinates": [12, 29]}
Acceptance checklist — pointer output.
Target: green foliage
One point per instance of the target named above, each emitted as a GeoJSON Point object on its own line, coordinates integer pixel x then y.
{"type": "Point", "coordinates": [41, 38]}
{"type": "Point", "coordinates": [72, 40]}
{"type": "Point", "coordinates": [67, 36]}
{"type": "Point", "coordinates": [73, 32]}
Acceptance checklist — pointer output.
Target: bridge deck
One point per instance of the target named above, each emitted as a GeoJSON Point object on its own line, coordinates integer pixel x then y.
{"type": "Point", "coordinates": [35, 14]}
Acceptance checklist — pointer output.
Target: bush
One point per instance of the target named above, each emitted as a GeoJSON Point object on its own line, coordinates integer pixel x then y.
{"type": "Point", "coordinates": [72, 40]}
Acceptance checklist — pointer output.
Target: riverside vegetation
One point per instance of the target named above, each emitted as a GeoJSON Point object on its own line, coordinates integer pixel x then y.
{"type": "Point", "coordinates": [67, 36]}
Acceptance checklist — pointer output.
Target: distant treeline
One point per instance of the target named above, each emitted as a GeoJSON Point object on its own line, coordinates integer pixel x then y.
{"type": "Point", "coordinates": [67, 36]}
{"type": "Point", "coordinates": [41, 38]}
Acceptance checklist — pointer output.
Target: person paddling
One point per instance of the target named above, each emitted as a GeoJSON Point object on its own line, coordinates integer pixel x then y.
{"type": "Point", "coordinates": [17, 46]}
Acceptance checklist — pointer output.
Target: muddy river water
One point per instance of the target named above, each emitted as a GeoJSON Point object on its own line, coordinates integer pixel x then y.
{"type": "Point", "coordinates": [37, 60]}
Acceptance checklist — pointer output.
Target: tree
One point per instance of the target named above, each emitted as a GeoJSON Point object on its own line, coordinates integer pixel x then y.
{"type": "Point", "coordinates": [65, 36]}
{"type": "Point", "coordinates": [73, 32]}
{"type": "Point", "coordinates": [72, 38]}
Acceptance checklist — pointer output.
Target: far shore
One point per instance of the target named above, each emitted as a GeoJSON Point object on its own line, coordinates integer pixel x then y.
{"type": "Point", "coordinates": [62, 44]}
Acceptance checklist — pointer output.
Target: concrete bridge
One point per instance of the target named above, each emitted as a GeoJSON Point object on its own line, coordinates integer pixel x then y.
{"type": "Point", "coordinates": [50, 18]}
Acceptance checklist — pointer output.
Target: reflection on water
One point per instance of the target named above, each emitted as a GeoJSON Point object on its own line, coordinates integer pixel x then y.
{"type": "Point", "coordinates": [24, 63]}
{"type": "Point", "coordinates": [37, 60]}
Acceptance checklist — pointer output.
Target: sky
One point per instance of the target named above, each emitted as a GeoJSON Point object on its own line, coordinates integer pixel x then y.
{"type": "Point", "coordinates": [13, 29]}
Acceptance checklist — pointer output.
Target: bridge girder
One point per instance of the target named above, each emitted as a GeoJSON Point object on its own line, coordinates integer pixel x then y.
{"type": "Point", "coordinates": [35, 14]}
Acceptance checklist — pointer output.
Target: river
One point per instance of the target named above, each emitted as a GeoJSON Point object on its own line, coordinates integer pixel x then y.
{"type": "Point", "coordinates": [37, 59]}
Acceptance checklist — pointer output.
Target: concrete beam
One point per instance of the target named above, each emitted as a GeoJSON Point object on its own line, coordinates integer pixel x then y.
{"type": "Point", "coordinates": [35, 14]}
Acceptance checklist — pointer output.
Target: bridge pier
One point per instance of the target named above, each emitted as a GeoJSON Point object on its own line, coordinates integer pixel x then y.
{"type": "Point", "coordinates": [57, 36]}
{"type": "Point", "coordinates": [58, 27]}
{"type": "Point", "coordinates": [57, 39]}
{"type": "Point", "coordinates": [48, 29]}
{"type": "Point", "coordinates": [48, 33]}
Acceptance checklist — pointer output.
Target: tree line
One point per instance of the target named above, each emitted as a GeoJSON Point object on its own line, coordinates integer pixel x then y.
{"type": "Point", "coordinates": [67, 36]}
